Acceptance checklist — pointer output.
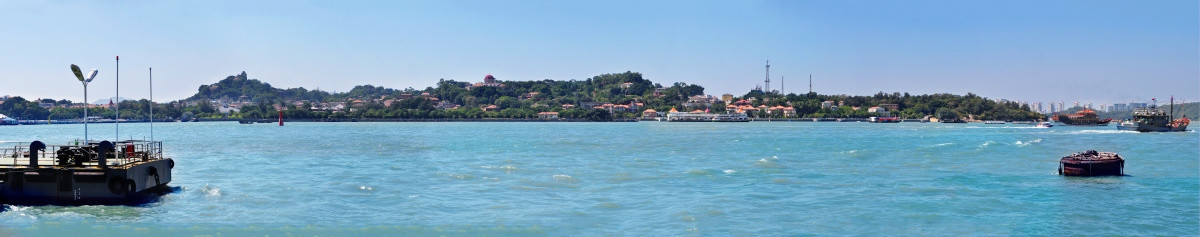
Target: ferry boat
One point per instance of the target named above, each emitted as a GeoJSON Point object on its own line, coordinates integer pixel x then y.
{"type": "Point", "coordinates": [124, 172]}
{"type": "Point", "coordinates": [5, 120]}
{"type": "Point", "coordinates": [706, 117]}
{"type": "Point", "coordinates": [885, 119]}
{"type": "Point", "coordinates": [1085, 117]}
{"type": "Point", "coordinates": [1092, 163]}
{"type": "Point", "coordinates": [1155, 120]}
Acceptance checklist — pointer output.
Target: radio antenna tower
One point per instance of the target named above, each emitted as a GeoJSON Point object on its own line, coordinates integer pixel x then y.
{"type": "Point", "coordinates": [767, 89]}
{"type": "Point", "coordinates": [810, 83]}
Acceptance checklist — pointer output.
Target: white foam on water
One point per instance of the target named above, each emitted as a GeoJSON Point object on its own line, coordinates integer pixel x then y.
{"type": "Point", "coordinates": [986, 144]}
{"type": "Point", "coordinates": [505, 168]}
{"type": "Point", "coordinates": [210, 191]}
{"type": "Point", "coordinates": [565, 178]}
{"type": "Point", "coordinates": [1114, 131]}
{"type": "Point", "coordinates": [365, 188]}
{"type": "Point", "coordinates": [772, 162]}
{"type": "Point", "coordinates": [730, 171]}
{"type": "Point", "coordinates": [1027, 143]}
{"type": "Point", "coordinates": [943, 144]}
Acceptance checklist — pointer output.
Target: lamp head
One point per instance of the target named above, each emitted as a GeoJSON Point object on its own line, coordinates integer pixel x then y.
{"type": "Point", "coordinates": [91, 75]}
{"type": "Point", "coordinates": [78, 74]}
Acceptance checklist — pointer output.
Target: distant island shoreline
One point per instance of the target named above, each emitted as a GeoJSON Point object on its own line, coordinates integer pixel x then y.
{"type": "Point", "coordinates": [609, 97]}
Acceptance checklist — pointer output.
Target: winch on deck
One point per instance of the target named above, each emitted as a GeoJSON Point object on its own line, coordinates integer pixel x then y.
{"type": "Point", "coordinates": [89, 173]}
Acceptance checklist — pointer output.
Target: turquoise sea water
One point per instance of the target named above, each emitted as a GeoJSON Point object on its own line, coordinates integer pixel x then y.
{"type": "Point", "coordinates": [645, 178]}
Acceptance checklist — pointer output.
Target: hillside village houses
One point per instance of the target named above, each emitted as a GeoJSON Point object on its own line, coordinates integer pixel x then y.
{"type": "Point", "coordinates": [698, 103]}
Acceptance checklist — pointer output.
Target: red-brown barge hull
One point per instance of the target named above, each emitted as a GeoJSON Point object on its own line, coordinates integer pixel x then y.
{"type": "Point", "coordinates": [1092, 167]}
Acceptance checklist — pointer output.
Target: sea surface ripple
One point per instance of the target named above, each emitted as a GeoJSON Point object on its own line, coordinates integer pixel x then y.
{"type": "Point", "coordinates": [651, 178]}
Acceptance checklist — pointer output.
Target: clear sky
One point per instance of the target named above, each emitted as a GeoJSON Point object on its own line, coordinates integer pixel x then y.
{"type": "Point", "coordinates": [1100, 51]}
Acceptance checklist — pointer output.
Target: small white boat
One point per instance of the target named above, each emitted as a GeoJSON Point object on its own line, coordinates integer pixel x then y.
{"type": "Point", "coordinates": [1127, 125]}
{"type": "Point", "coordinates": [1044, 125]}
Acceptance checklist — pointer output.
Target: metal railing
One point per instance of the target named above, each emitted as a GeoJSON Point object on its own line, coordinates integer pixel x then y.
{"type": "Point", "coordinates": [124, 152]}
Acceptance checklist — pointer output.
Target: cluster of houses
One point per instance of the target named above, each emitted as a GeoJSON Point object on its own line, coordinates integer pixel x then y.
{"type": "Point", "coordinates": [747, 106]}
{"type": "Point", "coordinates": [51, 105]}
{"type": "Point", "coordinates": [697, 102]}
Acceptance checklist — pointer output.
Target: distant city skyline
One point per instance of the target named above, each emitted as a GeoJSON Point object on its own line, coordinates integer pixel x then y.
{"type": "Point", "coordinates": [1102, 52]}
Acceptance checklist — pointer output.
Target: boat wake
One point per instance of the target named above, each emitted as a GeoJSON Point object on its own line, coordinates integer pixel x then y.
{"type": "Point", "coordinates": [1100, 132]}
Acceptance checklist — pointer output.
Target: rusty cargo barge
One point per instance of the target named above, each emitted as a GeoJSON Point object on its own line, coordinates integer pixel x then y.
{"type": "Point", "coordinates": [89, 173]}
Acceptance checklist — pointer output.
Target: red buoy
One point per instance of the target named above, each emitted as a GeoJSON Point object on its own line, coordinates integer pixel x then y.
{"type": "Point", "coordinates": [281, 118]}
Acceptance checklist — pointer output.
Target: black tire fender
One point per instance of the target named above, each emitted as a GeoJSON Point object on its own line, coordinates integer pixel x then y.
{"type": "Point", "coordinates": [130, 186]}
{"type": "Point", "coordinates": [116, 185]}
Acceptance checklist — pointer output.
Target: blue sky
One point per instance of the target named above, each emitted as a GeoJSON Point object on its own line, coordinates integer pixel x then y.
{"type": "Point", "coordinates": [1099, 51]}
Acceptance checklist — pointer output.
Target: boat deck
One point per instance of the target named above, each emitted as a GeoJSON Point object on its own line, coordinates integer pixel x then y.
{"type": "Point", "coordinates": [74, 175]}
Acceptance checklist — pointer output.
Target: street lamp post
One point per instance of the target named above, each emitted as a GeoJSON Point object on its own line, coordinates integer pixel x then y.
{"type": "Point", "coordinates": [82, 79]}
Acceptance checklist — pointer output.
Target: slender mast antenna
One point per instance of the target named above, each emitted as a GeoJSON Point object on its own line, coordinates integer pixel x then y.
{"type": "Point", "coordinates": [152, 104]}
{"type": "Point", "coordinates": [118, 109]}
{"type": "Point", "coordinates": [767, 89]}
{"type": "Point", "coordinates": [809, 83]}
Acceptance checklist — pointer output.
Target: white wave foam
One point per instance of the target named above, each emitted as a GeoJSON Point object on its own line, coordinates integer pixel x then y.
{"type": "Point", "coordinates": [772, 162]}
{"type": "Point", "coordinates": [1023, 144]}
{"type": "Point", "coordinates": [505, 168]}
{"type": "Point", "coordinates": [210, 191]}
{"type": "Point", "coordinates": [730, 171]}
{"type": "Point", "coordinates": [365, 188]}
{"type": "Point", "coordinates": [1114, 131]}
{"type": "Point", "coordinates": [943, 144]}
{"type": "Point", "coordinates": [565, 178]}
{"type": "Point", "coordinates": [461, 176]}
